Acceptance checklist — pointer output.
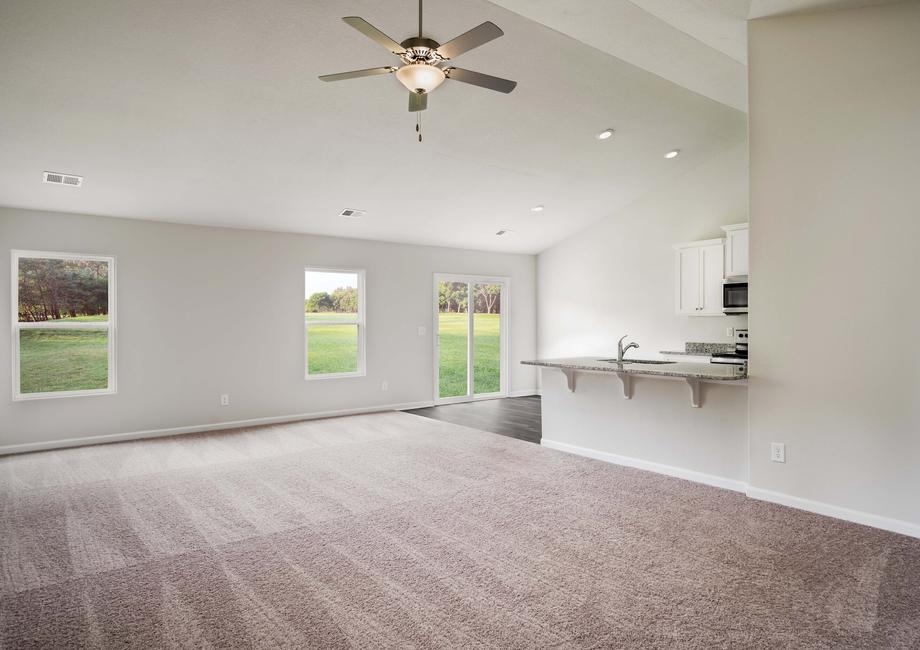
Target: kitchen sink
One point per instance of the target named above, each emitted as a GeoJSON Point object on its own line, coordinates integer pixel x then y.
{"type": "Point", "coordinates": [643, 361]}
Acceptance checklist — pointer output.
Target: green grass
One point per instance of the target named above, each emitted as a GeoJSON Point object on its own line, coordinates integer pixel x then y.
{"type": "Point", "coordinates": [60, 360]}
{"type": "Point", "coordinates": [329, 316]}
{"type": "Point", "coordinates": [452, 329]}
{"type": "Point", "coordinates": [81, 319]}
{"type": "Point", "coordinates": [332, 348]}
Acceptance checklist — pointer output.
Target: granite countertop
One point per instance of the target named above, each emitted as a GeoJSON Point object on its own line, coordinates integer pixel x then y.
{"type": "Point", "coordinates": [686, 370]}
{"type": "Point", "coordinates": [699, 349]}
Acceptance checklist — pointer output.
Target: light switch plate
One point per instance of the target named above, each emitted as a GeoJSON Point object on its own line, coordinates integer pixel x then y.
{"type": "Point", "coordinates": [421, 330]}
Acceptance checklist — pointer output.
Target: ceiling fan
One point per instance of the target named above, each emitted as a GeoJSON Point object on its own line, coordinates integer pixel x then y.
{"type": "Point", "coordinates": [424, 60]}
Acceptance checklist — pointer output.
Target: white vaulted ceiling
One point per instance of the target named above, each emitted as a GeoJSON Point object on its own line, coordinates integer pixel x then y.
{"type": "Point", "coordinates": [697, 44]}
{"type": "Point", "coordinates": [211, 113]}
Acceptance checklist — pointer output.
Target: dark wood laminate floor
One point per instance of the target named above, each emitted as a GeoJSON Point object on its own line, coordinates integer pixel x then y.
{"type": "Point", "coordinates": [516, 417]}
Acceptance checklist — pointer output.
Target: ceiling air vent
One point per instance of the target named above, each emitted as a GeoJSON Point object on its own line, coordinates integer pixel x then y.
{"type": "Point", "coordinates": [69, 180]}
{"type": "Point", "coordinates": [351, 213]}
{"type": "Point", "coordinates": [504, 231]}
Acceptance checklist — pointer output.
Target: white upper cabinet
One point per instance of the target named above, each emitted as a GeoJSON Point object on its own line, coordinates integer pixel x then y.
{"type": "Point", "coordinates": [700, 267]}
{"type": "Point", "coordinates": [736, 250]}
{"type": "Point", "coordinates": [689, 288]}
{"type": "Point", "coordinates": [713, 257]}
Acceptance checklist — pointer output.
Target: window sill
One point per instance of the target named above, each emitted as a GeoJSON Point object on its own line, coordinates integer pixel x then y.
{"type": "Point", "coordinates": [28, 397]}
{"type": "Point", "coordinates": [336, 375]}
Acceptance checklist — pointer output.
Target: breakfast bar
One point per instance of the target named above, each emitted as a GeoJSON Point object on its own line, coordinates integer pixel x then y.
{"type": "Point", "coordinates": [584, 412]}
{"type": "Point", "coordinates": [692, 373]}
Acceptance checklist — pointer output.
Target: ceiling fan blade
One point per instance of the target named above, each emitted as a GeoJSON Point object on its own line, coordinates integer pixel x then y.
{"type": "Point", "coordinates": [479, 79]}
{"type": "Point", "coordinates": [418, 102]}
{"type": "Point", "coordinates": [354, 74]}
{"type": "Point", "coordinates": [467, 41]}
{"type": "Point", "coordinates": [374, 34]}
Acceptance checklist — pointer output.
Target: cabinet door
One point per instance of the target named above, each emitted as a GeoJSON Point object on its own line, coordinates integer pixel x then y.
{"type": "Point", "coordinates": [736, 253]}
{"type": "Point", "coordinates": [689, 285]}
{"type": "Point", "coordinates": [712, 269]}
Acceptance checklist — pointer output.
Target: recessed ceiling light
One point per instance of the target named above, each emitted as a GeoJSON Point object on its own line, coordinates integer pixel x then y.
{"type": "Point", "coordinates": [537, 208]}
{"type": "Point", "coordinates": [603, 135]}
{"type": "Point", "coordinates": [672, 154]}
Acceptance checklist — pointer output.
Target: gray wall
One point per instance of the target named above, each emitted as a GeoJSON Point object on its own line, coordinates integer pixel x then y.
{"type": "Point", "coordinates": [835, 228]}
{"type": "Point", "coordinates": [204, 311]}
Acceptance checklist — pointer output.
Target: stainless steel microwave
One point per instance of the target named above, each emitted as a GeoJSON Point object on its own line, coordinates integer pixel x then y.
{"type": "Point", "coordinates": [735, 296]}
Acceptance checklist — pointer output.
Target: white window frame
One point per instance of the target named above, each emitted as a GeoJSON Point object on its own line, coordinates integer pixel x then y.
{"type": "Point", "coordinates": [108, 325]}
{"type": "Point", "coordinates": [359, 321]}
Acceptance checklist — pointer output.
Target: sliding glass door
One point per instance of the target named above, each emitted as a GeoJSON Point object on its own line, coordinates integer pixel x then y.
{"type": "Point", "coordinates": [471, 342]}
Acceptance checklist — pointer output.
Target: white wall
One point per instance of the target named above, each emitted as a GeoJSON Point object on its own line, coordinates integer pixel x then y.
{"type": "Point", "coordinates": [835, 230]}
{"type": "Point", "coordinates": [204, 311]}
{"type": "Point", "coordinates": [618, 276]}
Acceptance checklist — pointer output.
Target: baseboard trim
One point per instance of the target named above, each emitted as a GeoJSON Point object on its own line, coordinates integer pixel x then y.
{"type": "Point", "coordinates": [817, 507]}
{"type": "Point", "coordinates": [527, 392]}
{"type": "Point", "coordinates": [197, 428]}
{"type": "Point", "coordinates": [837, 512]}
{"type": "Point", "coordinates": [638, 463]}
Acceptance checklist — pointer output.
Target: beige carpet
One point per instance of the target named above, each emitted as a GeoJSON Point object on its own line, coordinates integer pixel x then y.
{"type": "Point", "coordinates": [396, 531]}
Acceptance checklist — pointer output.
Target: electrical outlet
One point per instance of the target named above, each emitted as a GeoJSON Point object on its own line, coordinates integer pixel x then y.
{"type": "Point", "coordinates": [421, 330]}
{"type": "Point", "coordinates": [225, 400]}
{"type": "Point", "coordinates": [778, 452]}
{"type": "Point", "coordinates": [384, 385]}
{"type": "Point", "coordinates": [730, 332]}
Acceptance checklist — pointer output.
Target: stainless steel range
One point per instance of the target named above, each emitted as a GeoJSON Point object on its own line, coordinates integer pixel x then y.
{"type": "Point", "coordinates": [739, 355]}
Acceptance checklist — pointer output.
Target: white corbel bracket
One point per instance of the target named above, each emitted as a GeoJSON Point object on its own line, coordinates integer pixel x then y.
{"type": "Point", "coordinates": [626, 380]}
{"type": "Point", "coordinates": [569, 378]}
{"type": "Point", "coordinates": [695, 392]}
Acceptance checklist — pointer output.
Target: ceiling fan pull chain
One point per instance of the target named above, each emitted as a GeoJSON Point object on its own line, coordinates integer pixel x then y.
{"type": "Point", "coordinates": [418, 125]}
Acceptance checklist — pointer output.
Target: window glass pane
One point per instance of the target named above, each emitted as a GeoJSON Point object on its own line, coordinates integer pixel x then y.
{"type": "Point", "coordinates": [63, 290]}
{"type": "Point", "coordinates": [331, 296]}
{"type": "Point", "coordinates": [53, 360]}
{"type": "Point", "coordinates": [453, 324]}
{"type": "Point", "coordinates": [332, 348]}
{"type": "Point", "coordinates": [487, 338]}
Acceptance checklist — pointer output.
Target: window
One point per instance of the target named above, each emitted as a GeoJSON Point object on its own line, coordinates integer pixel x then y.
{"type": "Point", "coordinates": [334, 323]}
{"type": "Point", "coordinates": [63, 325]}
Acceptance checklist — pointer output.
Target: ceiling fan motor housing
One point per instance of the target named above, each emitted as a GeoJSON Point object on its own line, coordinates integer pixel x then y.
{"type": "Point", "coordinates": [421, 50]}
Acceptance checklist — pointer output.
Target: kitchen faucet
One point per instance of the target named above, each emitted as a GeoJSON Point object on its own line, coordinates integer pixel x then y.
{"type": "Point", "coordinates": [621, 350]}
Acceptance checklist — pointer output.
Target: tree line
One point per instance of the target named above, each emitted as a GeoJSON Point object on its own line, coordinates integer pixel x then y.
{"type": "Point", "coordinates": [51, 289]}
{"type": "Point", "coordinates": [453, 297]}
{"type": "Point", "coordinates": [342, 300]}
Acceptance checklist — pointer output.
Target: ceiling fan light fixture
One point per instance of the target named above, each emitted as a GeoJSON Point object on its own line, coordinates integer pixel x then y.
{"type": "Point", "coordinates": [420, 77]}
